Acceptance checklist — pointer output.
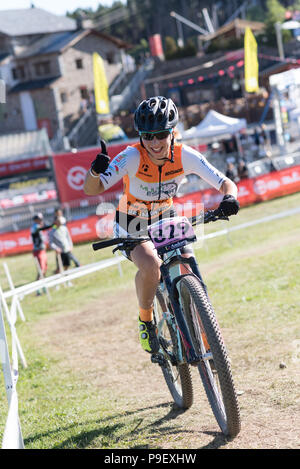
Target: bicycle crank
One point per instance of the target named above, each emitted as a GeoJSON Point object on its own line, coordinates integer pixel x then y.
{"type": "Point", "coordinates": [159, 359]}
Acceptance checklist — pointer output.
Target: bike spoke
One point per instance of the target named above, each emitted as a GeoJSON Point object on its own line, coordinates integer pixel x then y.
{"type": "Point", "coordinates": [177, 375]}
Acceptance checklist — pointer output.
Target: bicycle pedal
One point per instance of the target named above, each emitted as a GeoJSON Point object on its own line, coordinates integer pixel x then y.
{"type": "Point", "coordinates": [158, 358]}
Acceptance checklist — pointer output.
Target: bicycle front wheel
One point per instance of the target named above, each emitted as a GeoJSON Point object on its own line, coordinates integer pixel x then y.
{"type": "Point", "coordinates": [214, 367]}
{"type": "Point", "coordinates": [177, 376]}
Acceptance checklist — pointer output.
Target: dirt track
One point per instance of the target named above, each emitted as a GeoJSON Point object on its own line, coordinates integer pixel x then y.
{"type": "Point", "coordinates": [100, 344]}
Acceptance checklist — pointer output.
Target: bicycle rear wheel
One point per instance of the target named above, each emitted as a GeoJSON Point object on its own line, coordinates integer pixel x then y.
{"type": "Point", "coordinates": [177, 376]}
{"type": "Point", "coordinates": [214, 368]}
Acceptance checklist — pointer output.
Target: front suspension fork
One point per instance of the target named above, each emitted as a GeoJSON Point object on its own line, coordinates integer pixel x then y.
{"type": "Point", "coordinates": [191, 354]}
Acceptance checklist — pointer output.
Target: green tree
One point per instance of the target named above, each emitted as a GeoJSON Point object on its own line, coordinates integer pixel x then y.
{"type": "Point", "coordinates": [256, 13]}
{"type": "Point", "coordinates": [170, 47]}
{"type": "Point", "coordinates": [139, 51]}
{"type": "Point", "coordinates": [275, 13]}
{"type": "Point", "coordinates": [293, 6]}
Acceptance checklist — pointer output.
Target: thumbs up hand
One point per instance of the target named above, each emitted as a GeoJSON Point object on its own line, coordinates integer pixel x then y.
{"type": "Point", "coordinates": [101, 162]}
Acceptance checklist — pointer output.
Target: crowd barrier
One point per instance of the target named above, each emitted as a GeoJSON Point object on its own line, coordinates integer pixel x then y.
{"type": "Point", "coordinates": [250, 191]}
{"type": "Point", "coordinates": [12, 438]}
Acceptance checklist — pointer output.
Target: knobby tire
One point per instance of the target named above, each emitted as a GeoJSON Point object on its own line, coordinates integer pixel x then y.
{"type": "Point", "coordinates": [216, 372]}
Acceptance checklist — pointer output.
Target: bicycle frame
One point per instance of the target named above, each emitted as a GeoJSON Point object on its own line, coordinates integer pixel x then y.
{"type": "Point", "coordinates": [171, 274]}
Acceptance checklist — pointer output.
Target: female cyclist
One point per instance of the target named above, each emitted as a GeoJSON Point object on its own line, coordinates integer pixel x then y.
{"type": "Point", "coordinates": [152, 171]}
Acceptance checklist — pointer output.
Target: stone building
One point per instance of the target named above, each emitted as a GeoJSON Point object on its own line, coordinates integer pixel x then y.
{"type": "Point", "coordinates": [46, 64]}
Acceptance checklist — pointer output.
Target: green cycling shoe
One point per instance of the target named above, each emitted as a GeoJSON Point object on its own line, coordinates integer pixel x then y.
{"type": "Point", "coordinates": [148, 337]}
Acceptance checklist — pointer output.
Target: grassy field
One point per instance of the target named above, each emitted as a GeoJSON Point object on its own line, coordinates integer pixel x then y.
{"type": "Point", "coordinates": [88, 384]}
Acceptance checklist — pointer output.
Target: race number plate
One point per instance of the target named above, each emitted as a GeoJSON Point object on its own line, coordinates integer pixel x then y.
{"type": "Point", "coordinates": [171, 231]}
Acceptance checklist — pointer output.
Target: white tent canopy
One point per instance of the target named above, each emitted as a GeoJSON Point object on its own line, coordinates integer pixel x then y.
{"type": "Point", "coordinates": [215, 124]}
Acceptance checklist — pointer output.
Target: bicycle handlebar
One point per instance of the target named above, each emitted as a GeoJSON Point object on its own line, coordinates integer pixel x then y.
{"type": "Point", "coordinates": [114, 241]}
{"type": "Point", "coordinates": [209, 216]}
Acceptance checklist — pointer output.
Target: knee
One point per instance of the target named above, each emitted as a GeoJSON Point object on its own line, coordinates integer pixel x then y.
{"type": "Point", "coordinates": [150, 269]}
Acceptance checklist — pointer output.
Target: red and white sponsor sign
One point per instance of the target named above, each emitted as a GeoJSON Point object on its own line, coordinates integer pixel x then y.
{"type": "Point", "coordinates": [28, 199]}
{"type": "Point", "coordinates": [71, 168]}
{"type": "Point", "coordinates": [24, 166]}
{"type": "Point", "coordinates": [80, 230]}
{"type": "Point", "coordinates": [250, 191]}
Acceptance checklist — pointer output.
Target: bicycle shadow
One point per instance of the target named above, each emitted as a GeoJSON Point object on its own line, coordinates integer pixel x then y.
{"type": "Point", "coordinates": [110, 432]}
{"type": "Point", "coordinates": [219, 438]}
{"type": "Point", "coordinates": [218, 441]}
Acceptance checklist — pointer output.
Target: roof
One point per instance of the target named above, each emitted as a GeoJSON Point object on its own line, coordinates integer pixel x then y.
{"type": "Point", "coordinates": [58, 42]}
{"type": "Point", "coordinates": [235, 24]}
{"type": "Point", "coordinates": [51, 43]}
{"type": "Point", "coordinates": [118, 42]}
{"type": "Point", "coordinates": [215, 124]}
{"type": "Point", "coordinates": [28, 21]}
{"type": "Point", "coordinates": [33, 85]}
{"type": "Point", "coordinates": [21, 146]}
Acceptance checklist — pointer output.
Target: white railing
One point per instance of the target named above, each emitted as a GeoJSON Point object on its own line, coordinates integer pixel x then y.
{"type": "Point", "coordinates": [12, 438]}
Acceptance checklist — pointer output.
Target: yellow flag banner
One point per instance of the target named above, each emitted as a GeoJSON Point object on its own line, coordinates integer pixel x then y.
{"type": "Point", "coordinates": [100, 85]}
{"type": "Point", "coordinates": [251, 62]}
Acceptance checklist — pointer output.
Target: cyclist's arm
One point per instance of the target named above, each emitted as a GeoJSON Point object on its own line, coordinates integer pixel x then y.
{"type": "Point", "coordinates": [228, 187]}
{"type": "Point", "coordinates": [92, 184]}
{"type": "Point", "coordinates": [195, 162]}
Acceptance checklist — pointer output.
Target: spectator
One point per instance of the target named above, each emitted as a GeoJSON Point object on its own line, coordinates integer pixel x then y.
{"type": "Point", "coordinates": [243, 172]}
{"type": "Point", "coordinates": [231, 172]}
{"type": "Point", "coordinates": [256, 137]}
{"type": "Point", "coordinates": [61, 242]}
{"type": "Point", "coordinates": [264, 137]}
{"type": "Point", "coordinates": [262, 141]}
{"type": "Point", "coordinates": [59, 213]}
{"type": "Point", "coordinates": [39, 246]}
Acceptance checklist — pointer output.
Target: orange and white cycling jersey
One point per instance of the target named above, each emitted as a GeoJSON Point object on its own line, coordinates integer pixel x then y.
{"type": "Point", "coordinates": [151, 188]}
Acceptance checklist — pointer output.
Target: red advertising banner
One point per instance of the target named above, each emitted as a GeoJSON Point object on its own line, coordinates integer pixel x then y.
{"type": "Point", "coordinates": [71, 168]}
{"type": "Point", "coordinates": [83, 230]}
{"type": "Point", "coordinates": [24, 166]}
{"type": "Point", "coordinates": [250, 191]}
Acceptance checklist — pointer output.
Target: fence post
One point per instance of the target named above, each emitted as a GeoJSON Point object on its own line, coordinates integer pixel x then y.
{"type": "Point", "coordinates": [12, 287]}
{"type": "Point", "coordinates": [11, 322]}
{"type": "Point", "coordinates": [12, 438]}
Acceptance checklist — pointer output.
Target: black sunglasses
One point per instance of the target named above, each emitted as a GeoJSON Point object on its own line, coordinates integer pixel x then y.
{"type": "Point", "coordinates": [161, 135]}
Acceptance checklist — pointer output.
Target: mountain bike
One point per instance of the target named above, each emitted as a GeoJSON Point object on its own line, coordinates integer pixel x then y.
{"type": "Point", "coordinates": [187, 327]}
